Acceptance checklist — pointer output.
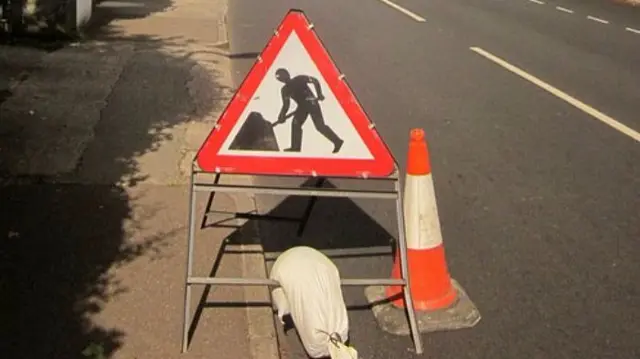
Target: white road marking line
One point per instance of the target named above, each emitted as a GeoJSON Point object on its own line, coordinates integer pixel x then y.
{"type": "Point", "coordinates": [410, 14]}
{"type": "Point", "coordinates": [597, 19]}
{"type": "Point", "coordinates": [537, 2]}
{"type": "Point", "coordinates": [563, 9]}
{"type": "Point", "coordinates": [560, 94]}
{"type": "Point", "coordinates": [632, 30]}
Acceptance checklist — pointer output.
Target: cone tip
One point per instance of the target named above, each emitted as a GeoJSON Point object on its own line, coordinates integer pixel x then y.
{"type": "Point", "coordinates": [417, 134]}
{"type": "Point", "coordinates": [418, 156]}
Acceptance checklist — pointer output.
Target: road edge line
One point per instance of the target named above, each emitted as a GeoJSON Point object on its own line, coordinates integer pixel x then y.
{"type": "Point", "coordinates": [401, 9]}
{"type": "Point", "coordinates": [620, 127]}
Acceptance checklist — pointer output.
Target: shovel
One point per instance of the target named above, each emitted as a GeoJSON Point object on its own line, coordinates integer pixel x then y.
{"type": "Point", "coordinates": [284, 119]}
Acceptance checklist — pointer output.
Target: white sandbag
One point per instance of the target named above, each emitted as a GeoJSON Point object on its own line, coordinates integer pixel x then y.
{"type": "Point", "coordinates": [310, 291]}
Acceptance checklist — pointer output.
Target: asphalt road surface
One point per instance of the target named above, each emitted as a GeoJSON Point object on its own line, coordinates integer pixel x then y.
{"type": "Point", "coordinates": [532, 112]}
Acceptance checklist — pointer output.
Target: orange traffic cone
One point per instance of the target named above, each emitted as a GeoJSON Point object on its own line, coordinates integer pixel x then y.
{"type": "Point", "coordinates": [430, 284]}
{"type": "Point", "coordinates": [439, 301]}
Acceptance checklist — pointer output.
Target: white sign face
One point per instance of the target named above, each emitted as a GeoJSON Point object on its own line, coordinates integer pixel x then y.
{"type": "Point", "coordinates": [313, 126]}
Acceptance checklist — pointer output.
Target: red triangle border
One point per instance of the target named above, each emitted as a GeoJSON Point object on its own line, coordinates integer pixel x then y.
{"type": "Point", "coordinates": [209, 160]}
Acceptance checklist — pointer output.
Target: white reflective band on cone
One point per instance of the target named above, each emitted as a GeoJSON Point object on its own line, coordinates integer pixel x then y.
{"type": "Point", "coordinates": [421, 213]}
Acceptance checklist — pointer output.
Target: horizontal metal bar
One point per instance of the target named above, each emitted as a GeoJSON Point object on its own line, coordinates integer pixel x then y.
{"type": "Point", "coordinates": [373, 281]}
{"type": "Point", "coordinates": [273, 283]}
{"type": "Point", "coordinates": [298, 191]}
{"type": "Point", "coordinates": [332, 253]}
{"type": "Point", "coordinates": [394, 176]}
{"type": "Point", "coordinates": [342, 252]}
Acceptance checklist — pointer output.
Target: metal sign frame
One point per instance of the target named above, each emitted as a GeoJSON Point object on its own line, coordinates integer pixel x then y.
{"type": "Point", "coordinates": [198, 184]}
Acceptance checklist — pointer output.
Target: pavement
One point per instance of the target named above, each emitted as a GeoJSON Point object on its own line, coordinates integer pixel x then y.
{"type": "Point", "coordinates": [96, 140]}
{"type": "Point", "coordinates": [536, 171]}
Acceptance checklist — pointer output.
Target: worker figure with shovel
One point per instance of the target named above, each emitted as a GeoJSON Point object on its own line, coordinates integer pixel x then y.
{"type": "Point", "coordinates": [297, 88]}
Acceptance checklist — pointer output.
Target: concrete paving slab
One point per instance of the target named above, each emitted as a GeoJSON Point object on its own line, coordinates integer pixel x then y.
{"type": "Point", "coordinates": [152, 309]}
{"type": "Point", "coordinates": [49, 118]}
{"type": "Point", "coordinates": [105, 265]}
{"type": "Point", "coordinates": [96, 238]}
{"type": "Point", "coordinates": [15, 64]}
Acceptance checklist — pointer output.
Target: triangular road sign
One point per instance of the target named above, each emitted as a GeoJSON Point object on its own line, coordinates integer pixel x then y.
{"type": "Point", "coordinates": [294, 114]}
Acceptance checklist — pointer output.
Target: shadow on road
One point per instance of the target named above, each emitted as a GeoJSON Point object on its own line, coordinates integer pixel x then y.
{"type": "Point", "coordinates": [60, 243]}
{"type": "Point", "coordinates": [324, 223]}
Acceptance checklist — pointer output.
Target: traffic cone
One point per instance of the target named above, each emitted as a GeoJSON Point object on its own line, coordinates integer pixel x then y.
{"type": "Point", "coordinates": [439, 301]}
{"type": "Point", "coordinates": [431, 286]}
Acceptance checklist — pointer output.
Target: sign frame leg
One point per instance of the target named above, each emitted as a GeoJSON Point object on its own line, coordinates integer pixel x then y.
{"type": "Point", "coordinates": [404, 269]}
{"type": "Point", "coordinates": [189, 266]}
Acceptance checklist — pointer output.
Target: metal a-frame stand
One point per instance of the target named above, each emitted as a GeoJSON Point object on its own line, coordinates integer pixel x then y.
{"type": "Point", "coordinates": [200, 183]}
